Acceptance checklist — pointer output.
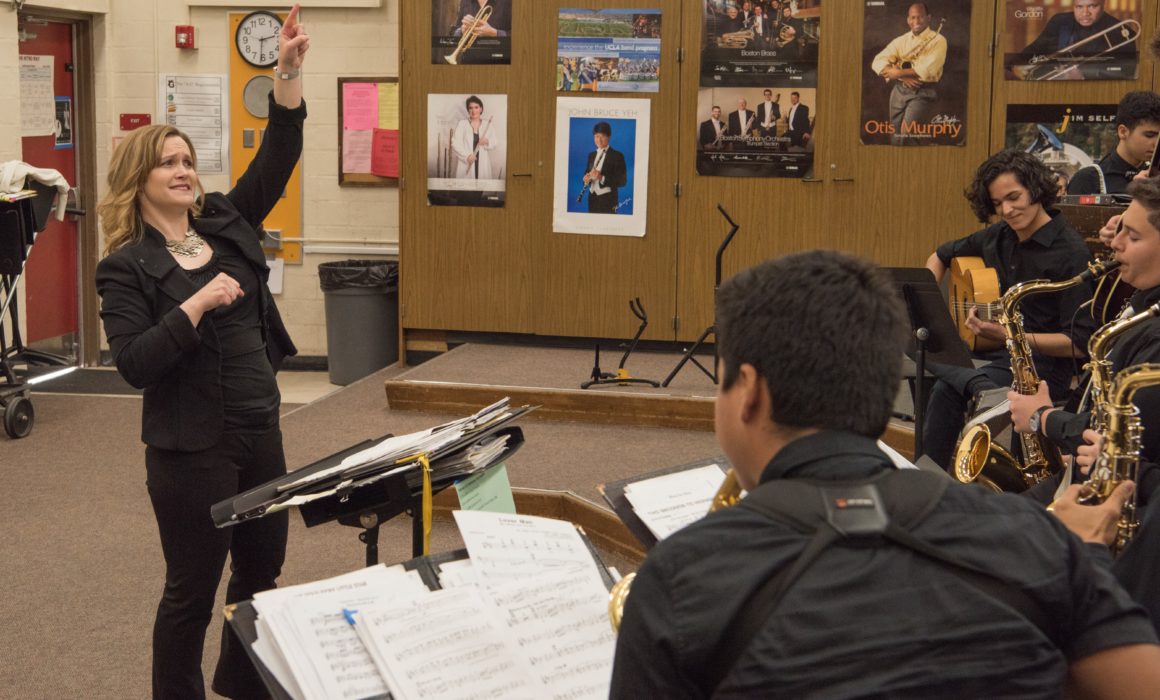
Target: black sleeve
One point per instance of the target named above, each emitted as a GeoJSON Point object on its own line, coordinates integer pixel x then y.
{"type": "Point", "coordinates": [967, 246]}
{"type": "Point", "coordinates": [1138, 568]}
{"type": "Point", "coordinates": [1045, 43]}
{"type": "Point", "coordinates": [143, 351]}
{"type": "Point", "coordinates": [260, 187]}
{"type": "Point", "coordinates": [1065, 429]}
{"type": "Point", "coordinates": [616, 174]}
{"type": "Point", "coordinates": [1085, 181]}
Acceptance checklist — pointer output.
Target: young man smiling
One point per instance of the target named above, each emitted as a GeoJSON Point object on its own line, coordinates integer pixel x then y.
{"type": "Point", "coordinates": [1031, 241]}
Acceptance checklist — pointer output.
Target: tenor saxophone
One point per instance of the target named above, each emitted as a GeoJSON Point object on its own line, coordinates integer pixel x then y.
{"type": "Point", "coordinates": [974, 450]}
{"type": "Point", "coordinates": [1119, 457]}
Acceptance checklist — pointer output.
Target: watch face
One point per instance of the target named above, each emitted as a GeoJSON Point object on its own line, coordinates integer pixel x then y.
{"type": "Point", "coordinates": [257, 38]}
{"type": "Point", "coordinates": [255, 96]}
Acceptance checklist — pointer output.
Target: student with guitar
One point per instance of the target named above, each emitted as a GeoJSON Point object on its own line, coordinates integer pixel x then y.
{"type": "Point", "coordinates": [1030, 241]}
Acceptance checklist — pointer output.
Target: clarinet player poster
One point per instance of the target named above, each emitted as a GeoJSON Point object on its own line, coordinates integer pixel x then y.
{"type": "Point", "coordinates": [601, 172]}
{"type": "Point", "coordinates": [915, 71]}
{"type": "Point", "coordinates": [466, 150]}
{"type": "Point", "coordinates": [471, 31]}
{"type": "Point", "coordinates": [1071, 40]}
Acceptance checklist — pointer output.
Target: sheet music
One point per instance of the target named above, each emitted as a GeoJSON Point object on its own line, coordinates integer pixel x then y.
{"type": "Point", "coordinates": [561, 624]}
{"type": "Point", "coordinates": [896, 456]}
{"type": "Point", "coordinates": [667, 503]}
{"type": "Point", "coordinates": [271, 655]}
{"type": "Point", "coordinates": [456, 574]}
{"type": "Point", "coordinates": [323, 653]}
{"type": "Point", "coordinates": [506, 547]}
{"type": "Point", "coordinates": [448, 644]}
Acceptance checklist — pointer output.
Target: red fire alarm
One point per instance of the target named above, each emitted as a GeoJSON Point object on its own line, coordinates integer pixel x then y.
{"type": "Point", "coordinates": [185, 37]}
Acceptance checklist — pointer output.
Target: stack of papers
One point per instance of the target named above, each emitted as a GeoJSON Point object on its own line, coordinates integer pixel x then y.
{"type": "Point", "coordinates": [667, 503]}
{"type": "Point", "coordinates": [526, 618]}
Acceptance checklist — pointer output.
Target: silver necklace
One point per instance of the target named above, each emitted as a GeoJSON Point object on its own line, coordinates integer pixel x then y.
{"type": "Point", "coordinates": [189, 247]}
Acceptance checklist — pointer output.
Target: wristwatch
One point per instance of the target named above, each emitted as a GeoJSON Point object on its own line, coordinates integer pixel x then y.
{"type": "Point", "coordinates": [1036, 418]}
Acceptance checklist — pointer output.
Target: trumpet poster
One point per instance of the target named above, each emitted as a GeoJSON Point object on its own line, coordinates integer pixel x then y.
{"type": "Point", "coordinates": [608, 50]}
{"type": "Point", "coordinates": [755, 132]}
{"type": "Point", "coordinates": [466, 150]}
{"type": "Point", "coordinates": [1071, 40]}
{"type": "Point", "coordinates": [471, 31]}
{"type": "Point", "coordinates": [601, 175]}
{"type": "Point", "coordinates": [915, 62]}
{"type": "Point", "coordinates": [766, 42]}
{"type": "Point", "coordinates": [1067, 138]}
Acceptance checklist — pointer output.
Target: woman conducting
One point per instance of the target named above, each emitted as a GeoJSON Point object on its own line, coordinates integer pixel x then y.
{"type": "Point", "coordinates": [189, 320]}
{"type": "Point", "coordinates": [474, 139]}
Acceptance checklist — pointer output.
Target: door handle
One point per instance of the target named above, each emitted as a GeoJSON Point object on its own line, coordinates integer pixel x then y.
{"type": "Point", "coordinates": [521, 174]}
{"type": "Point", "coordinates": [813, 179]}
{"type": "Point", "coordinates": [841, 179]}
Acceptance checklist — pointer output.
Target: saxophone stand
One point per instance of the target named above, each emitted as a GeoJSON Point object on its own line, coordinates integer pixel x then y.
{"type": "Point", "coordinates": [712, 328]}
{"type": "Point", "coordinates": [622, 377]}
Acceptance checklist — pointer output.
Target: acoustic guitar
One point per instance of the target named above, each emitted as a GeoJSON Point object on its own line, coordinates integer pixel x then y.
{"type": "Point", "coordinates": [972, 283]}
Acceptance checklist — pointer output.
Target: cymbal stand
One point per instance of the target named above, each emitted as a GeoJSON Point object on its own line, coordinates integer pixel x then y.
{"type": "Point", "coordinates": [622, 377]}
{"type": "Point", "coordinates": [712, 328]}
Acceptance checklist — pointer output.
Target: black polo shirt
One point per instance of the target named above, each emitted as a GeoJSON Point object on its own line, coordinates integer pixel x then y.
{"type": "Point", "coordinates": [1117, 174]}
{"type": "Point", "coordinates": [1055, 252]}
{"type": "Point", "coordinates": [865, 620]}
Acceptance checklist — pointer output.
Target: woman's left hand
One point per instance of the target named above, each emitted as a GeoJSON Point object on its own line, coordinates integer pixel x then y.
{"type": "Point", "coordinates": [293, 41]}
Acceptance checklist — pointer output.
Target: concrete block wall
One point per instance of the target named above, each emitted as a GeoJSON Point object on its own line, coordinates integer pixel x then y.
{"type": "Point", "coordinates": [133, 44]}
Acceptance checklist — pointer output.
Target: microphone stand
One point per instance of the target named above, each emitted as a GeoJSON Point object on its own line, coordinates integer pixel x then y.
{"type": "Point", "coordinates": [712, 328]}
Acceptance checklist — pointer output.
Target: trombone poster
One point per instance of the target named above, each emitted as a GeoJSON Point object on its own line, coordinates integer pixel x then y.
{"type": "Point", "coordinates": [755, 132]}
{"type": "Point", "coordinates": [608, 50]}
{"type": "Point", "coordinates": [471, 31]}
{"type": "Point", "coordinates": [466, 150]}
{"type": "Point", "coordinates": [1071, 40]}
{"type": "Point", "coordinates": [748, 43]}
{"type": "Point", "coordinates": [915, 72]}
{"type": "Point", "coordinates": [1065, 137]}
{"type": "Point", "coordinates": [601, 173]}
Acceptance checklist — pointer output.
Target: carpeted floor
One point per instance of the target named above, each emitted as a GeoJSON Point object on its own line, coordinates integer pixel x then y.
{"type": "Point", "coordinates": [83, 569]}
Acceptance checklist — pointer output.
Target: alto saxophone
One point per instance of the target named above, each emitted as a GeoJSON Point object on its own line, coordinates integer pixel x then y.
{"type": "Point", "coordinates": [1099, 347]}
{"type": "Point", "coordinates": [727, 496]}
{"type": "Point", "coordinates": [1119, 458]}
{"type": "Point", "coordinates": [1040, 458]}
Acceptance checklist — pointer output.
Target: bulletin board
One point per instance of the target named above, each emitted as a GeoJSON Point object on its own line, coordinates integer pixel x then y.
{"type": "Point", "coordinates": [368, 132]}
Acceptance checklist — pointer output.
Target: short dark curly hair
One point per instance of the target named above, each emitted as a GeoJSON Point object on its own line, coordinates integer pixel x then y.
{"type": "Point", "coordinates": [1138, 106]}
{"type": "Point", "coordinates": [1146, 193]}
{"type": "Point", "coordinates": [1027, 169]}
{"type": "Point", "coordinates": [799, 321]}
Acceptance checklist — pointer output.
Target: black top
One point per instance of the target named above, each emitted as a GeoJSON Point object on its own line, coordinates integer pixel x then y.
{"type": "Point", "coordinates": [1055, 252]}
{"type": "Point", "coordinates": [1141, 344]}
{"type": "Point", "coordinates": [874, 619]}
{"type": "Point", "coordinates": [1117, 174]}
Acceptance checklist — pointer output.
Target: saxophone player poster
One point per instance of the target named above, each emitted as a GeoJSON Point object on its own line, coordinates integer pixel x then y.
{"type": "Point", "coordinates": [601, 171]}
{"type": "Point", "coordinates": [914, 80]}
{"type": "Point", "coordinates": [466, 150]}
{"type": "Point", "coordinates": [608, 50]}
{"type": "Point", "coordinates": [1066, 137]}
{"type": "Point", "coordinates": [751, 43]}
{"type": "Point", "coordinates": [755, 132]}
{"type": "Point", "coordinates": [471, 31]}
{"type": "Point", "coordinates": [1071, 40]}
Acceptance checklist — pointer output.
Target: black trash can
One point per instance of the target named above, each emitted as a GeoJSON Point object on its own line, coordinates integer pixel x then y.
{"type": "Point", "coordinates": [362, 316]}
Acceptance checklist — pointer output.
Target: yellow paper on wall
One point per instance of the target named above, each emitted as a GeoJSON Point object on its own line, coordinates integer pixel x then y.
{"type": "Point", "coordinates": [388, 105]}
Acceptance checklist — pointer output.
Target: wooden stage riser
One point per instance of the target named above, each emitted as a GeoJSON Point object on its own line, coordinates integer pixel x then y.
{"type": "Point", "coordinates": [642, 410]}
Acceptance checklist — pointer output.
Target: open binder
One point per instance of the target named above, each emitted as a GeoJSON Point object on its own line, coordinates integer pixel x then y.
{"type": "Point", "coordinates": [614, 495]}
{"type": "Point", "coordinates": [375, 480]}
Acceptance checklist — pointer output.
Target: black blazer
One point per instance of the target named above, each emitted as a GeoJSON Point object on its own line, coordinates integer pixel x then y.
{"type": "Point", "coordinates": [153, 343]}
{"type": "Point", "coordinates": [614, 172]}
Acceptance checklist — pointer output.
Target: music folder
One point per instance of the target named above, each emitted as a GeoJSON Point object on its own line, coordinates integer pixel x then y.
{"type": "Point", "coordinates": [613, 493]}
{"type": "Point", "coordinates": [326, 490]}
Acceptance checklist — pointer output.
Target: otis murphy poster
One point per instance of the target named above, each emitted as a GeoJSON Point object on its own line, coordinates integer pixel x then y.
{"type": "Point", "coordinates": [915, 63]}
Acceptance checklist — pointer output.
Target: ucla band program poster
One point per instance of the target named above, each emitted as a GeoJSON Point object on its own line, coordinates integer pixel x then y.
{"type": "Point", "coordinates": [466, 150]}
{"type": "Point", "coordinates": [1065, 137]}
{"type": "Point", "coordinates": [759, 76]}
{"type": "Point", "coordinates": [1071, 40]}
{"type": "Point", "coordinates": [915, 72]}
{"type": "Point", "coordinates": [601, 172]}
{"type": "Point", "coordinates": [608, 50]}
{"type": "Point", "coordinates": [490, 22]}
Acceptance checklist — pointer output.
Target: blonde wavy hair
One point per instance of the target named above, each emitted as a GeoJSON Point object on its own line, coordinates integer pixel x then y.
{"type": "Point", "coordinates": [135, 157]}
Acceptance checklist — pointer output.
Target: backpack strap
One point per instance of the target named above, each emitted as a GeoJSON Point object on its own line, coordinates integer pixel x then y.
{"type": "Point", "coordinates": [887, 505]}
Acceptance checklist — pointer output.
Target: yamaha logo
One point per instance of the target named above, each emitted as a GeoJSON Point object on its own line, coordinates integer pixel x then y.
{"type": "Point", "coordinates": [1030, 13]}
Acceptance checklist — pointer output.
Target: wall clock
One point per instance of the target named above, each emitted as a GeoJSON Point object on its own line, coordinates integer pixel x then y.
{"type": "Point", "coordinates": [257, 38]}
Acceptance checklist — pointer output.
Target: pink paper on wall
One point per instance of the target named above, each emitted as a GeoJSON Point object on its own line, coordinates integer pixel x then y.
{"type": "Point", "coordinates": [360, 106]}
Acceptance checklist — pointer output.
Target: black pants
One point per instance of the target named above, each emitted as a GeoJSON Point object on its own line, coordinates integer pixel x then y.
{"type": "Point", "coordinates": [182, 487]}
{"type": "Point", "coordinates": [946, 409]}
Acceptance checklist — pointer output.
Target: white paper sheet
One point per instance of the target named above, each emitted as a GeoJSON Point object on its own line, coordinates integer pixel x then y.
{"type": "Point", "coordinates": [667, 503]}
{"type": "Point", "coordinates": [506, 547]}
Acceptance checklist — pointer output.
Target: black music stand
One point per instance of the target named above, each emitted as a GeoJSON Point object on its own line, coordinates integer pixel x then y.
{"type": "Point", "coordinates": [933, 335]}
{"type": "Point", "coordinates": [622, 377]}
{"type": "Point", "coordinates": [712, 328]}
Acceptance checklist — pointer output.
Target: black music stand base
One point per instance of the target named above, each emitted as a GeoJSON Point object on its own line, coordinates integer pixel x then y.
{"type": "Point", "coordinates": [688, 357]}
{"type": "Point", "coordinates": [622, 377]}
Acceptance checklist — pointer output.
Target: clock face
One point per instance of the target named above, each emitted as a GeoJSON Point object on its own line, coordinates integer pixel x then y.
{"type": "Point", "coordinates": [257, 38]}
